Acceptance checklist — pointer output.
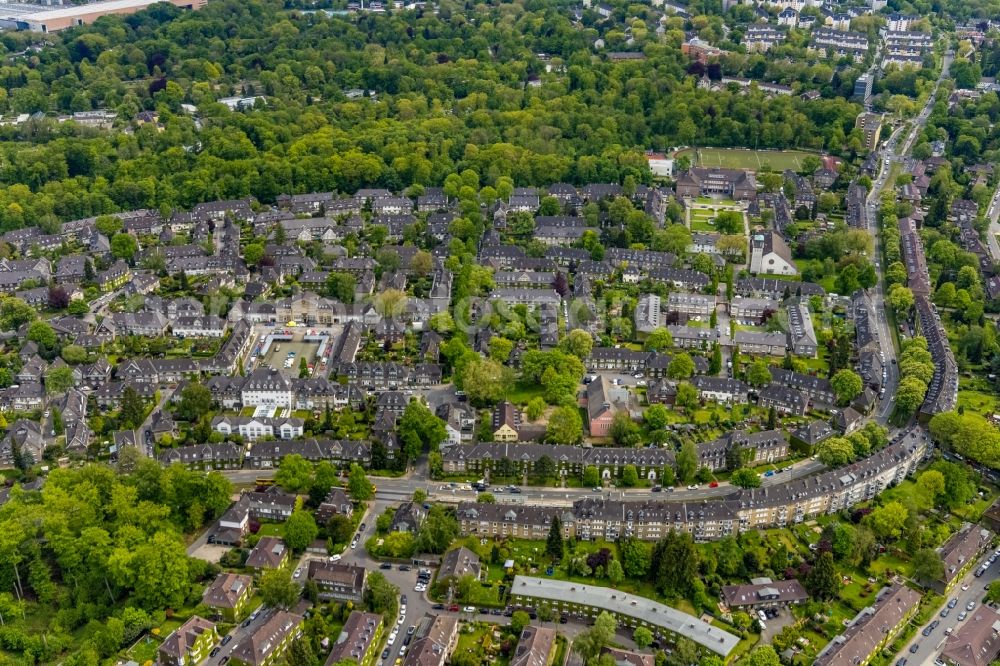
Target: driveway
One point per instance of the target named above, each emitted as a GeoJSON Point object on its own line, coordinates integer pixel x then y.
{"type": "Point", "coordinates": [208, 552]}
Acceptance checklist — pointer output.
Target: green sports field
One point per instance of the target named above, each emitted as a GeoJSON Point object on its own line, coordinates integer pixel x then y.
{"type": "Point", "coordinates": [743, 158]}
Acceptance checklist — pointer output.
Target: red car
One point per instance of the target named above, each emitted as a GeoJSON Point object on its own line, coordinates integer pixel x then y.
{"type": "Point", "coordinates": [714, 484]}
{"type": "Point", "coordinates": [453, 608]}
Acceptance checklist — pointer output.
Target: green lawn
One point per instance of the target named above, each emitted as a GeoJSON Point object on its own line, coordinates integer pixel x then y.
{"type": "Point", "coordinates": [480, 640]}
{"type": "Point", "coordinates": [145, 650]}
{"type": "Point", "coordinates": [743, 158]}
{"type": "Point", "coordinates": [271, 529]}
{"type": "Point", "coordinates": [977, 401]}
{"type": "Point", "coordinates": [522, 393]}
{"type": "Point", "coordinates": [701, 224]}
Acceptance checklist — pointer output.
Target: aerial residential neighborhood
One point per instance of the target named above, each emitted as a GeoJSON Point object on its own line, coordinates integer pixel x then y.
{"type": "Point", "coordinates": [519, 333]}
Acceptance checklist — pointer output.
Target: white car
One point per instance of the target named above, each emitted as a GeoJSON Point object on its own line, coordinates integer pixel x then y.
{"type": "Point", "coordinates": [469, 609]}
{"type": "Point", "coordinates": [392, 638]}
{"type": "Point", "coordinates": [298, 572]}
{"type": "Point", "coordinates": [335, 558]}
{"type": "Point", "coordinates": [401, 620]}
{"type": "Point", "coordinates": [693, 486]}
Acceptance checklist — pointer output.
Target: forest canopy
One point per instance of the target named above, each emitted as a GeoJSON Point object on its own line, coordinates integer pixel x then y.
{"type": "Point", "coordinates": [439, 94]}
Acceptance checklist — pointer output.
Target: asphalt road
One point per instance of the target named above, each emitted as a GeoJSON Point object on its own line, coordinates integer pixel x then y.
{"type": "Point", "coordinates": [928, 648]}
{"type": "Point", "coordinates": [399, 489]}
{"type": "Point", "coordinates": [993, 214]}
{"type": "Point", "coordinates": [884, 409]}
{"type": "Point", "coordinates": [238, 634]}
{"type": "Point", "coordinates": [887, 157]}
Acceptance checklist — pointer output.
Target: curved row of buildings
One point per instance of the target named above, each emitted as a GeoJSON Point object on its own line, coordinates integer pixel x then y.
{"type": "Point", "coordinates": [707, 519]}
{"type": "Point", "coordinates": [942, 392]}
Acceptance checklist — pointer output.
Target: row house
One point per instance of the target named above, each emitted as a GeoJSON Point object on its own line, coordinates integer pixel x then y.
{"type": "Point", "coordinates": [311, 203]}
{"type": "Point", "coordinates": [258, 427]}
{"type": "Point", "coordinates": [679, 278]}
{"type": "Point", "coordinates": [519, 296]}
{"type": "Point", "coordinates": [268, 455]}
{"type": "Point", "coordinates": [205, 265]}
{"type": "Point", "coordinates": [644, 260]}
{"type": "Point", "coordinates": [725, 390]}
{"type": "Point", "coordinates": [769, 344]}
{"type": "Point", "coordinates": [873, 628]}
{"type": "Point", "coordinates": [390, 375]}
{"type": "Point", "coordinates": [142, 323]}
{"type": "Point", "coordinates": [817, 388]}
{"type": "Point", "coordinates": [109, 395]}
{"type": "Point", "coordinates": [741, 510]}
{"type": "Point", "coordinates": [485, 457]}
{"type": "Point", "coordinates": [801, 334]}
{"type": "Point", "coordinates": [694, 337]}
{"type": "Point", "coordinates": [11, 281]}
{"type": "Point", "coordinates": [783, 399]}
{"type": "Point", "coordinates": [555, 236]}
{"type": "Point", "coordinates": [755, 310]}
{"type": "Point", "coordinates": [648, 315]}
{"type": "Point", "coordinates": [688, 306]}
{"type": "Point", "coordinates": [534, 279]}
{"type": "Point", "coordinates": [319, 393]}
{"type": "Point", "coordinates": [199, 327]}
{"type": "Point", "coordinates": [205, 456]}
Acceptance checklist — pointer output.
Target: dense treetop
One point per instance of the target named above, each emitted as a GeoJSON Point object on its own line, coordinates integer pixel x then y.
{"type": "Point", "coordinates": [451, 92]}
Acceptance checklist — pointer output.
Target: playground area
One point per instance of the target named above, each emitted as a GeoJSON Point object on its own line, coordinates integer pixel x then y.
{"type": "Point", "coordinates": [744, 158]}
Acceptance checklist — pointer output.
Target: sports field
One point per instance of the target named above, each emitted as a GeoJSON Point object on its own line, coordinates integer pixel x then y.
{"type": "Point", "coordinates": [743, 158]}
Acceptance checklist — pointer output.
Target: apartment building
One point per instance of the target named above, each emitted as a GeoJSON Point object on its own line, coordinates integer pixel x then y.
{"type": "Point", "coordinates": [764, 593]}
{"type": "Point", "coordinates": [268, 642]}
{"type": "Point", "coordinates": [336, 581]}
{"type": "Point", "coordinates": [359, 639]}
{"type": "Point", "coordinates": [687, 306]}
{"type": "Point", "coordinates": [706, 520]}
{"type": "Point", "coordinates": [587, 601]}
{"type": "Point", "coordinates": [190, 643]}
{"type": "Point", "coordinates": [872, 628]}
{"type": "Point", "coordinates": [754, 310]}
{"type": "Point", "coordinates": [648, 313]}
